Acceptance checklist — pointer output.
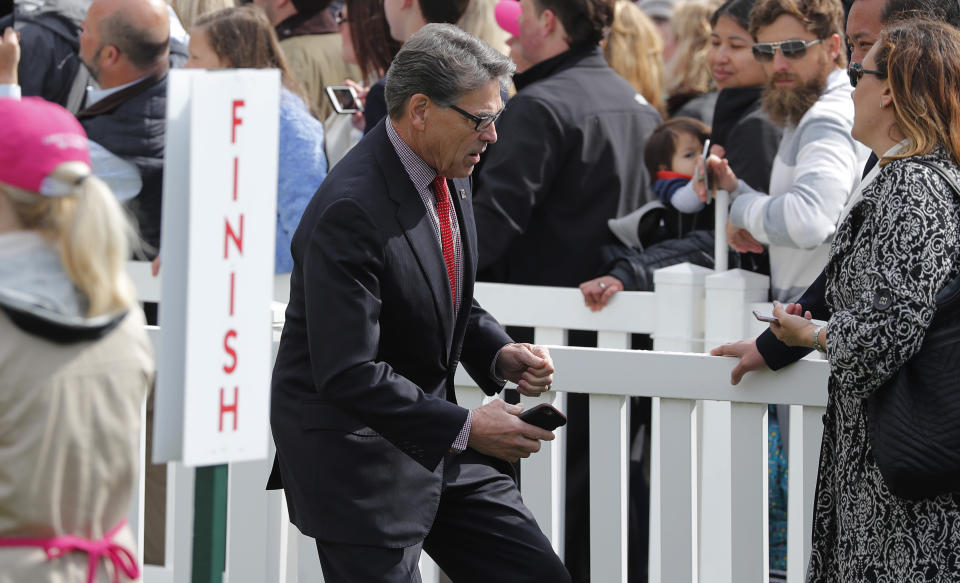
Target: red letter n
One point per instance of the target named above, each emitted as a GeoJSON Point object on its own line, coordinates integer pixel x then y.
{"type": "Point", "coordinates": [228, 234]}
{"type": "Point", "coordinates": [224, 408]}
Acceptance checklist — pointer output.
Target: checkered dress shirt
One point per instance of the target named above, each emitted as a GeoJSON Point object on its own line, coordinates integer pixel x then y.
{"type": "Point", "coordinates": [422, 175]}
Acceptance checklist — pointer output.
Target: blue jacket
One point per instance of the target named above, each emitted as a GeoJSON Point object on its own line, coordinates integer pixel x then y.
{"type": "Point", "coordinates": [302, 167]}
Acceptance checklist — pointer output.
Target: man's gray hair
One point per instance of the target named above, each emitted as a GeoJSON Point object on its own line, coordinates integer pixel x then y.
{"type": "Point", "coordinates": [444, 63]}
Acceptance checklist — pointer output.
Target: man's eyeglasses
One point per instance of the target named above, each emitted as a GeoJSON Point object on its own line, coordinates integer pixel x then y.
{"type": "Point", "coordinates": [341, 18]}
{"type": "Point", "coordinates": [791, 49]}
{"type": "Point", "coordinates": [856, 72]}
{"type": "Point", "coordinates": [482, 121]}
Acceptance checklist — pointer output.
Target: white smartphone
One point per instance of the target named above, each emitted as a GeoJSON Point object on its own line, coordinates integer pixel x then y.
{"type": "Point", "coordinates": [765, 317]}
{"type": "Point", "coordinates": [706, 170]}
{"type": "Point", "coordinates": [343, 98]}
{"type": "Point", "coordinates": [771, 318]}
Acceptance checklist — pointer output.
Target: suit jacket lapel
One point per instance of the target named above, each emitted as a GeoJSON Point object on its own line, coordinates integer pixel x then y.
{"type": "Point", "coordinates": [421, 237]}
{"type": "Point", "coordinates": [460, 193]}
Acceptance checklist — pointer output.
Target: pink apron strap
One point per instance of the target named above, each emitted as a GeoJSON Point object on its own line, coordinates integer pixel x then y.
{"type": "Point", "coordinates": [122, 559]}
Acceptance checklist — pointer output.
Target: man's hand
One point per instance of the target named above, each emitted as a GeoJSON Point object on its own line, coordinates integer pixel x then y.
{"type": "Point", "coordinates": [527, 365]}
{"type": "Point", "coordinates": [746, 351]}
{"type": "Point", "coordinates": [495, 430]}
{"type": "Point", "coordinates": [597, 292]}
{"type": "Point", "coordinates": [741, 240]}
{"type": "Point", "coordinates": [9, 56]}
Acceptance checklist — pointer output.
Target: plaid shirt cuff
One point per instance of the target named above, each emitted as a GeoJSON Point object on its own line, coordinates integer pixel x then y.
{"type": "Point", "coordinates": [460, 444]}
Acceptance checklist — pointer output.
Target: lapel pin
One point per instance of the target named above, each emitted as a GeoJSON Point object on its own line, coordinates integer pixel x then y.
{"type": "Point", "coordinates": [463, 194]}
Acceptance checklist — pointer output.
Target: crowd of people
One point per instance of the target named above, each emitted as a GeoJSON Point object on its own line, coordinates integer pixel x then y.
{"type": "Point", "coordinates": [574, 143]}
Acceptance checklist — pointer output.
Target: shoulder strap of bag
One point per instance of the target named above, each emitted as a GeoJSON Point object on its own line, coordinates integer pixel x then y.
{"type": "Point", "coordinates": [952, 290]}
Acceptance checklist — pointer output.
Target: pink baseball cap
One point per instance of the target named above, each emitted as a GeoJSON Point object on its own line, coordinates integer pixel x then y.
{"type": "Point", "coordinates": [36, 137]}
{"type": "Point", "coordinates": [507, 12]}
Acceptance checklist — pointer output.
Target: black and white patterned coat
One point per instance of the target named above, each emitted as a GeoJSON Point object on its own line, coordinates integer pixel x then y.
{"type": "Point", "coordinates": [890, 257]}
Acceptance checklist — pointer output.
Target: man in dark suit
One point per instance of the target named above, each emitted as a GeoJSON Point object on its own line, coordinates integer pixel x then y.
{"type": "Point", "coordinates": [377, 459]}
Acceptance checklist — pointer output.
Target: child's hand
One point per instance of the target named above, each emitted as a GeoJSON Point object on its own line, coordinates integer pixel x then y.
{"type": "Point", "coordinates": [697, 182]}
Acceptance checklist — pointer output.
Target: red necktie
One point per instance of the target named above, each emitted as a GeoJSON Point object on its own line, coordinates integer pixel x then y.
{"type": "Point", "coordinates": [446, 236]}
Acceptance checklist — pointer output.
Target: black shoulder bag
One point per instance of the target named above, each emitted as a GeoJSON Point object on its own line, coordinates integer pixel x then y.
{"type": "Point", "coordinates": [914, 418]}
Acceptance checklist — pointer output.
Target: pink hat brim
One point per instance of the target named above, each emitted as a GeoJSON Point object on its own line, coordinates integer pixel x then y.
{"type": "Point", "coordinates": [507, 12]}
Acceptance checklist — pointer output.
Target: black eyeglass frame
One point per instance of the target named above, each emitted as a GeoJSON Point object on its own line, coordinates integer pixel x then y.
{"type": "Point", "coordinates": [481, 122]}
{"type": "Point", "coordinates": [856, 72]}
{"type": "Point", "coordinates": [793, 49]}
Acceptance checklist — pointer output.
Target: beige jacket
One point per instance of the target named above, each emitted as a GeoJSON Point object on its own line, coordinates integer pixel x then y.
{"type": "Point", "coordinates": [69, 431]}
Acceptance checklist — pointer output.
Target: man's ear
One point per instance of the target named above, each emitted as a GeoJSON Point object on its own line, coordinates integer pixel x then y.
{"type": "Point", "coordinates": [418, 108]}
{"type": "Point", "coordinates": [834, 46]}
{"type": "Point", "coordinates": [109, 56]}
{"type": "Point", "coordinates": [548, 20]}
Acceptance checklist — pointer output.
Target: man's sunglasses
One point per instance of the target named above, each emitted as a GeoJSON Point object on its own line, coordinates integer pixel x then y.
{"type": "Point", "coordinates": [856, 72]}
{"type": "Point", "coordinates": [791, 49]}
{"type": "Point", "coordinates": [482, 121]}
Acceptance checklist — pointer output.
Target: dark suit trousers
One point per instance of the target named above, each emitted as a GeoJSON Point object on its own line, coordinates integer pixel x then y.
{"type": "Point", "coordinates": [482, 533]}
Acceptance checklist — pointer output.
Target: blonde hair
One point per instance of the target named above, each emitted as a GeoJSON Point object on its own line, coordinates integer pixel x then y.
{"type": "Point", "coordinates": [189, 10]}
{"type": "Point", "coordinates": [478, 20]}
{"type": "Point", "coordinates": [89, 230]}
{"type": "Point", "coordinates": [688, 71]}
{"type": "Point", "coordinates": [634, 50]}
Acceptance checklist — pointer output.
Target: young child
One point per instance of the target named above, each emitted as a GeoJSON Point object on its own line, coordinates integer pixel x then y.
{"type": "Point", "coordinates": [671, 156]}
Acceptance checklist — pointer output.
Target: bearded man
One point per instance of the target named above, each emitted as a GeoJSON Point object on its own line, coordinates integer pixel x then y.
{"type": "Point", "coordinates": [818, 164]}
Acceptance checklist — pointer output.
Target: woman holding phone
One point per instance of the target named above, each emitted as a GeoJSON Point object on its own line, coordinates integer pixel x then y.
{"type": "Point", "coordinates": [891, 256]}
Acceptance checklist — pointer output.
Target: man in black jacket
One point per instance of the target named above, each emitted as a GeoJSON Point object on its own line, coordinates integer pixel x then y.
{"type": "Point", "coordinates": [569, 151]}
{"type": "Point", "coordinates": [126, 46]}
{"type": "Point", "coordinates": [864, 24]}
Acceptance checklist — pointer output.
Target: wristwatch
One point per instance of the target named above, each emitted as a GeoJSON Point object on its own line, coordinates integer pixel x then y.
{"type": "Point", "coordinates": [816, 340]}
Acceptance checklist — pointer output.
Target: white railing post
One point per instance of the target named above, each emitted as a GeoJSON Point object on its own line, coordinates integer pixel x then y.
{"type": "Point", "coordinates": [609, 493]}
{"type": "Point", "coordinates": [674, 479]}
{"type": "Point", "coordinates": [679, 292]}
{"type": "Point", "coordinates": [729, 296]}
{"type": "Point", "coordinates": [806, 433]}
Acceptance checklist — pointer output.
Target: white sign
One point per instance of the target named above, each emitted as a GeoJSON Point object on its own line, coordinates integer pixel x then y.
{"type": "Point", "coordinates": [217, 241]}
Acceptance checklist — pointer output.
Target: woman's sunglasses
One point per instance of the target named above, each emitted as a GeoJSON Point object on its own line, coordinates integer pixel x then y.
{"type": "Point", "coordinates": [791, 49]}
{"type": "Point", "coordinates": [856, 72]}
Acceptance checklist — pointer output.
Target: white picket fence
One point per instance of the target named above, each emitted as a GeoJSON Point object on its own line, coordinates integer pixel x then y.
{"type": "Point", "coordinates": [708, 520]}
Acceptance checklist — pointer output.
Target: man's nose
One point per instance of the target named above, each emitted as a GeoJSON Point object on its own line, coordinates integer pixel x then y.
{"type": "Point", "coordinates": [489, 134]}
{"type": "Point", "coordinates": [780, 63]}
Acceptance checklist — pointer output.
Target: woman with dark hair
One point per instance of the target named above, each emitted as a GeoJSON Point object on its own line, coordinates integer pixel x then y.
{"type": "Point", "coordinates": [242, 38]}
{"type": "Point", "coordinates": [891, 256]}
{"type": "Point", "coordinates": [368, 44]}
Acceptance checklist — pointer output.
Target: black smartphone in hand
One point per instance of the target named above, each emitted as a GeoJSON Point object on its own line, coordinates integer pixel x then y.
{"type": "Point", "coordinates": [544, 416]}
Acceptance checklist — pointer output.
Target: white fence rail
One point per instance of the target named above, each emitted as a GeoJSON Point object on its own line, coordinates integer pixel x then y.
{"type": "Point", "coordinates": [708, 519]}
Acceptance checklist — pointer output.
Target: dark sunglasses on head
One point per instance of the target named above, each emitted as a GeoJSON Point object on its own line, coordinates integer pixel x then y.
{"type": "Point", "coordinates": [791, 49]}
{"type": "Point", "coordinates": [482, 121]}
{"type": "Point", "coordinates": [856, 72]}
